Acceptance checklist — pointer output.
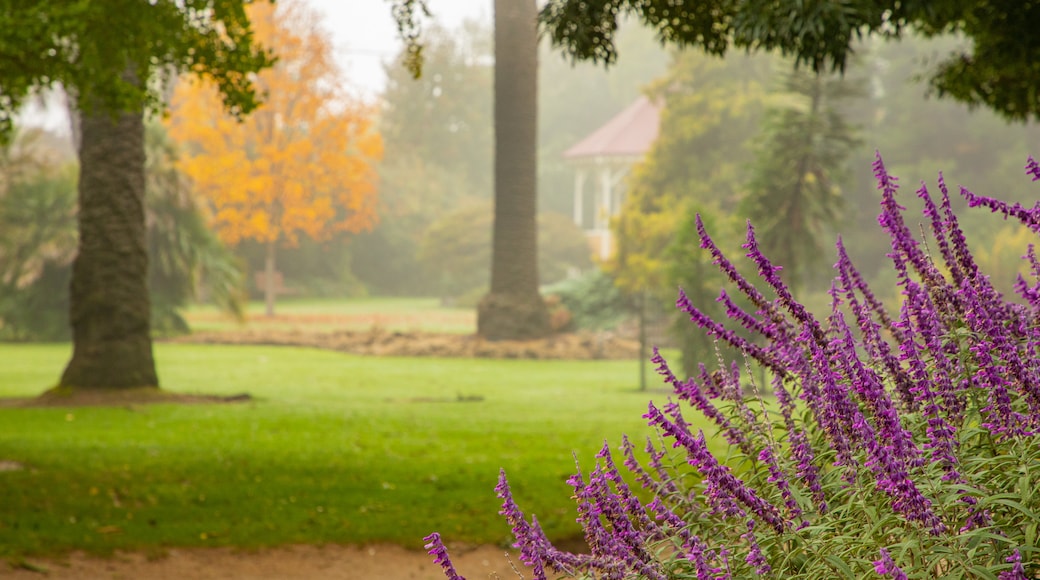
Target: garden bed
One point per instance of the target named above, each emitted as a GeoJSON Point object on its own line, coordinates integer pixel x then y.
{"type": "Point", "coordinates": [380, 342]}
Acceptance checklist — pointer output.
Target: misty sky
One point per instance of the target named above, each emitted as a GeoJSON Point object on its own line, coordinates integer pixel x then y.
{"type": "Point", "coordinates": [365, 36]}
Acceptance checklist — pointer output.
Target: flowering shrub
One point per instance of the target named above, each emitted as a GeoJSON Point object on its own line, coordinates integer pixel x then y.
{"type": "Point", "coordinates": [895, 445]}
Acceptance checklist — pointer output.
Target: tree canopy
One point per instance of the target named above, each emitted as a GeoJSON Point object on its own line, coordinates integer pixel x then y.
{"type": "Point", "coordinates": [303, 163]}
{"type": "Point", "coordinates": [1000, 69]}
{"type": "Point", "coordinates": [106, 51]}
{"type": "Point", "coordinates": [113, 57]}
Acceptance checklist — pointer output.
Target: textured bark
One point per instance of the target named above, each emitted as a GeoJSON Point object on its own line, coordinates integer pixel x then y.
{"type": "Point", "coordinates": [109, 305]}
{"type": "Point", "coordinates": [514, 309]}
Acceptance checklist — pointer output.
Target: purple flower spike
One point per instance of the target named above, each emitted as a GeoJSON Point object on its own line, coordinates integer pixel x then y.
{"type": "Point", "coordinates": [886, 567]}
{"type": "Point", "coordinates": [1029, 217]}
{"type": "Point", "coordinates": [436, 548]}
{"type": "Point", "coordinates": [769, 273]}
{"type": "Point", "coordinates": [755, 558]}
{"type": "Point", "coordinates": [730, 270]}
{"type": "Point", "coordinates": [1017, 572]}
{"type": "Point", "coordinates": [721, 332]}
{"type": "Point", "coordinates": [717, 477]}
{"type": "Point", "coordinates": [1033, 168]}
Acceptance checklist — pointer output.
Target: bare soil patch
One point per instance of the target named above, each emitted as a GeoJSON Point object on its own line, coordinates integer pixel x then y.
{"type": "Point", "coordinates": [381, 342]}
{"type": "Point", "coordinates": [376, 562]}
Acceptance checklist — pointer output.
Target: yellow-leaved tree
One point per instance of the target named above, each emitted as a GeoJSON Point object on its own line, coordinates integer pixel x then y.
{"type": "Point", "coordinates": [303, 164]}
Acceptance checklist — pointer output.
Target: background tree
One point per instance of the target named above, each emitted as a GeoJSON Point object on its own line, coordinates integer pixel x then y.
{"type": "Point", "coordinates": [998, 69]}
{"type": "Point", "coordinates": [794, 196]}
{"type": "Point", "coordinates": [37, 208]}
{"type": "Point", "coordinates": [107, 54]}
{"type": "Point", "coordinates": [38, 242]}
{"type": "Point", "coordinates": [456, 249]}
{"type": "Point", "coordinates": [187, 260]}
{"type": "Point", "coordinates": [712, 111]}
{"type": "Point", "coordinates": [438, 137]}
{"type": "Point", "coordinates": [302, 164]}
{"type": "Point", "coordinates": [513, 309]}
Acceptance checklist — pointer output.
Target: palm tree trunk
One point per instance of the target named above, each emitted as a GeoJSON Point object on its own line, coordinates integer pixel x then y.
{"type": "Point", "coordinates": [110, 311]}
{"type": "Point", "coordinates": [514, 309]}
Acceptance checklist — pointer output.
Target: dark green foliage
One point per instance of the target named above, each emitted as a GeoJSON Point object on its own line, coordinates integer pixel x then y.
{"type": "Point", "coordinates": [105, 50]}
{"type": "Point", "coordinates": [795, 193]}
{"type": "Point", "coordinates": [1000, 69]}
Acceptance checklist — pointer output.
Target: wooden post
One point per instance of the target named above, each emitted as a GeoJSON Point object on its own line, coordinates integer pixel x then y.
{"type": "Point", "coordinates": [643, 350]}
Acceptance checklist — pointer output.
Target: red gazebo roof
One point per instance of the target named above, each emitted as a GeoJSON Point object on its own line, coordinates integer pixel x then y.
{"type": "Point", "coordinates": [629, 134]}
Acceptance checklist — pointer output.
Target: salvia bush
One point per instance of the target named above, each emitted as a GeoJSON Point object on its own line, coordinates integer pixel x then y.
{"type": "Point", "coordinates": [894, 445]}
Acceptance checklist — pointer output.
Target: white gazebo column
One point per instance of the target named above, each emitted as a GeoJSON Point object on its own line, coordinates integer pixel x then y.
{"type": "Point", "coordinates": [617, 191]}
{"type": "Point", "coordinates": [606, 211]}
{"type": "Point", "coordinates": [579, 198]}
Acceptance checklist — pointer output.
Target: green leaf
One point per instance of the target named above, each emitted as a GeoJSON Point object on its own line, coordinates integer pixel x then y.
{"type": "Point", "coordinates": [840, 565]}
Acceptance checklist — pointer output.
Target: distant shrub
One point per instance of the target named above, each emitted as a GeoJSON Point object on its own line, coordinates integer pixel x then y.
{"type": "Point", "coordinates": [897, 445]}
{"type": "Point", "coordinates": [592, 300]}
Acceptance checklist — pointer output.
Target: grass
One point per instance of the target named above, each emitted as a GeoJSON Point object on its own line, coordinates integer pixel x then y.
{"type": "Point", "coordinates": [337, 448]}
{"type": "Point", "coordinates": [324, 315]}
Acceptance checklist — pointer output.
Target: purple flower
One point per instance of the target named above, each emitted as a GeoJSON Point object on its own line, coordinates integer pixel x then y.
{"type": "Point", "coordinates": [778, 478]}
{"type": "Point", "coordinates": [856, 281]}
{"type": "Point", "coordinates": [755, 558]}
{"type": "Point", "coordinates": [941, 435]}
{"type": "Point", "coordinates": [730, 270]}
{"type": "Point", "coordinates": [875, 345]}
{"type": "Point", "coordinates": [724, 485]}
{"type": "Point", "coordinates": [886, 567]}
{"type": "Point", "coordinates": [905, 249]}
{"type": "Point", "coordinates": [1029, 217]}
{"type": "Point", "coordinates": [940, 228]}
{"type": "Point", "coordinates": [1032, 168]}
{"type": "Point", "coordinates": [535, 549]}
{"type": "Point", "coordinates": [721, 332]}
{"type": "Point", "coordinates": [769, 272]}
{"type": "Point", "coordinates": [692, 392]}
{"type": "Point", "coordinates": [1017, 572]}
{"type": "Point", "coordinates": [1031, 293]}
{"type": "Point", "coordinates": [436, 548]}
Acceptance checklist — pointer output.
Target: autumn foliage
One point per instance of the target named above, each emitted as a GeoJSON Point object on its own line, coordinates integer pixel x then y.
{"type": "Point", "coordinates": [303, 163]}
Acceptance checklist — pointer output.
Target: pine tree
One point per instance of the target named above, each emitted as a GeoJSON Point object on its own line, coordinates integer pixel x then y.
{"type": "Point", "coordinates": [794, 195]}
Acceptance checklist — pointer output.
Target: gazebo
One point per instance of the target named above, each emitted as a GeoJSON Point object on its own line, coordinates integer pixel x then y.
{"type": "Point", "coordinates": [605, 157]}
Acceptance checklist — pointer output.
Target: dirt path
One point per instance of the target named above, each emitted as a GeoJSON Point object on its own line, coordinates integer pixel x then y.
{"type": "Point", "coordinates": [379, 562]}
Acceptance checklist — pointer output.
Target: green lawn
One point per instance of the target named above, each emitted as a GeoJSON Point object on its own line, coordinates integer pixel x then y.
{"type": "Point", "coordinates": [329, 314]}
{"type": "Point", "coordinates": [337, 448]}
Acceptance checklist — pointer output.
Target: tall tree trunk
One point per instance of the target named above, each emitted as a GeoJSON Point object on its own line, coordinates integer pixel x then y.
{"type": "Point", "coordinates": [110, 311]}
{"type": "Point", "coordinates": [514, 309]}
{"type": "Point", "coordinates": [269, 287]}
